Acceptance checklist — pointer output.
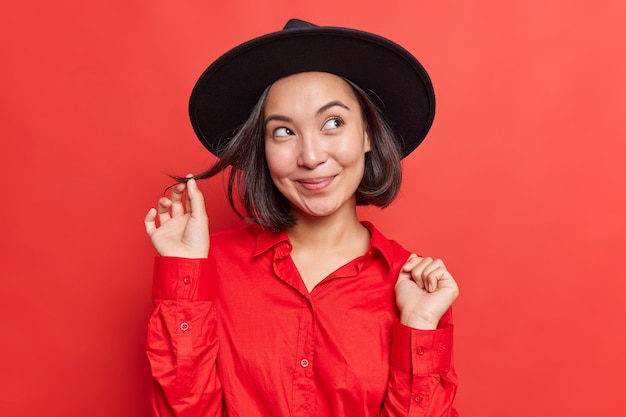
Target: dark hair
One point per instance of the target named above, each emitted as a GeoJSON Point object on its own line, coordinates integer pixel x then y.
{"type": "Point", "coordinates": [250, 180]}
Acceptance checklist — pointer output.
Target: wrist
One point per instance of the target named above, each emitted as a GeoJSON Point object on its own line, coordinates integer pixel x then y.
{"type": "Point", "coordinates": [418, 321]}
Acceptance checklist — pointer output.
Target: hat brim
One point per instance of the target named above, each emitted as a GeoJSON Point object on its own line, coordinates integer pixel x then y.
{"type": "Point", "coordinates": [229, 88]}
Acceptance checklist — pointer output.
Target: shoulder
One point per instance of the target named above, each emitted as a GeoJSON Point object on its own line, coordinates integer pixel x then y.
{"type": "Point", "coordinates": [237, 236]}
{"type": "Point", "coordinates": [395, 254]}
{"type": "Point", "coordinates": [247, 239]}
{"type": "Point", "coordinates": [232, 246]}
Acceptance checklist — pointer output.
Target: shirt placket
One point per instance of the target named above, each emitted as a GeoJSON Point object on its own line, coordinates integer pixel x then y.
{"type": "Point", "coordinates": [304, 390]}
{"type": "Point", "coordinates": [303, 384]}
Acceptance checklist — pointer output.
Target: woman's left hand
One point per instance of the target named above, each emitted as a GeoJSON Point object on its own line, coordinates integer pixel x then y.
{"type": "Point", "coordinates": [425, 290]}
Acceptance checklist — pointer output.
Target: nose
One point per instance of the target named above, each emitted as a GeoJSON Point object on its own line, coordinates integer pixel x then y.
{"type": "Point", "coordinates": [312, 151]}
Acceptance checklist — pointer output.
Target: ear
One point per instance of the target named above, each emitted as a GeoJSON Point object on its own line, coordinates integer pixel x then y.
{"type": "Point", "coordinates": [367, 145]}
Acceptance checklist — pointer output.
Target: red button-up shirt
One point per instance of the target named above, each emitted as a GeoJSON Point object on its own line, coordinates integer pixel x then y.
{"type": "Point", "coordinates": [239, 335]}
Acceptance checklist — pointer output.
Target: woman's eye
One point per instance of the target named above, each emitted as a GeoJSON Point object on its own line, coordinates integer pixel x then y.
{"type": "Point", "coordinates": [333, 123]}
{"type": "Point", "coordinates": [282, 131]}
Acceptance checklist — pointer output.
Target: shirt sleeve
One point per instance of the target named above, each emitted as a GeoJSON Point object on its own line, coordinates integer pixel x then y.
{"type": "Point", "coordinates": [422, 379]}
{"type": "Point", "coordinates": [182, 340]}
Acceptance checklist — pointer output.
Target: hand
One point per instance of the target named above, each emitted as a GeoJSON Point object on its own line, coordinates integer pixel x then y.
{"type": "Point", "coordinates": [180, 234]}
{"type": "Point", "coordinates": [425, 290]}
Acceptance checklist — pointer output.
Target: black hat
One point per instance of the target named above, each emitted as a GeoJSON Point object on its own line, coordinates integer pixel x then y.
{"type": "Point", "coordinates": [226, 92]}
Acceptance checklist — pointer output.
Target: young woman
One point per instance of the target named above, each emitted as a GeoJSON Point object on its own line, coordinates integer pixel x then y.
{"type": "Point", "coordinates": [307, 311]}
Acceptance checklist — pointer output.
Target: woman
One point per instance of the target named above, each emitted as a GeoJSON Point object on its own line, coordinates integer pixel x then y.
{"type": "Point", "coordinates": [307, 311]}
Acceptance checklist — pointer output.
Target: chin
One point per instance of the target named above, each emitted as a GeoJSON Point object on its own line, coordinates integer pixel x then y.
{"type": "Point", "coordinates": [319, 210]}
{"type": "Point", "coordinates": [319, 213]}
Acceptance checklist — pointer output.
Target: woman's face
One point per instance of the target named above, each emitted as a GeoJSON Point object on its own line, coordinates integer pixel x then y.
{"type": "Point", "coordinates": [315, 142]}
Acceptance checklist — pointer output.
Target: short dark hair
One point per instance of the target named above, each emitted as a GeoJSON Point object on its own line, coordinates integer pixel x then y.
{"type": "Point", "coordinates": [249, 178]}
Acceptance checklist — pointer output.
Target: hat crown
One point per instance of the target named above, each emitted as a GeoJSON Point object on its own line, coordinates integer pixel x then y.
{"type": "Point", "coordinates": [298, 24]}
{"type": "Point", "coordinates": [228, 89]}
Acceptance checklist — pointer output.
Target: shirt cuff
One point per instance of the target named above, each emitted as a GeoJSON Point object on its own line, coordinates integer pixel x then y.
{"type": "Point", "coordinates": [422, 352]}
{"type": "Point", "coordinates": [182, 279]}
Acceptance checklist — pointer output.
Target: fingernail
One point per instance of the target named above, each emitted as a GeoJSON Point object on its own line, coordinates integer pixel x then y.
{"type": "Point", "coordinates": [192, 183]}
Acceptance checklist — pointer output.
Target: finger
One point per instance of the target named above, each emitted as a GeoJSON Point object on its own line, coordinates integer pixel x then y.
{"type": "Point", "coordinates": [418, 269]}
{"type": "Point", "coordinates": [187, 197]}
{"type": "Point", "coordinates": [196, 200]}
{"type": "Point", "coordinates": [163, 209]}
{"type": "Point", "coordinates": [435, 277]}
{"type": "Point", "coordinates": [407, 269]}
{"type": "Point", "coordinates": [432, 278]}
{"type": "Point", "coordinates": [416, 273]}
{"type": "Point", "coordinates": [177, 200]}
{"type": "Point", "coordinates": [421, 273]}
{"type": "Point", "coordinates": [150, 221]}
{"type": "Point", "coordinates": [410, 263]}
{"type": "Point", "coordinates": [434, 264]}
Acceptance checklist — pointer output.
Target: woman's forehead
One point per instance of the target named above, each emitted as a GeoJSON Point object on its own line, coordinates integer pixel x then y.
{"type": "Point", "coordinates": [308, 86]}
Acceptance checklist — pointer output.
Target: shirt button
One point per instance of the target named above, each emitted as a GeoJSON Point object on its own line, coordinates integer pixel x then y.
{"type": "Point", "coordinates": [418, 398]}
{"type": "Point", "coordinates": [184, 326]}
{"type": "Point", "coordinates": [420, 350]}
{"type": "Point", "coordinates": [304, 363]}
{"type": "Point", "coordinates": [187, 280]}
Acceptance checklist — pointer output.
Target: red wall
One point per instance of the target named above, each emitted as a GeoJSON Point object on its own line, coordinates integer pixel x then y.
{"type": "Point", "coordinates": [519, 187]}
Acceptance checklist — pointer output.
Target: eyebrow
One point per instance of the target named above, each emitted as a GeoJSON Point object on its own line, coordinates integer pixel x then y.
{"type": "Point", "coordinates": [331, 105]}
{"type": "Point", "coordinates": [321, 110]}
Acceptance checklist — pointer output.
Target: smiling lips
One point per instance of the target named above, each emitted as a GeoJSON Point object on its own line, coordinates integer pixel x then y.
{"type": "Point", "coordinates": [315, 184]}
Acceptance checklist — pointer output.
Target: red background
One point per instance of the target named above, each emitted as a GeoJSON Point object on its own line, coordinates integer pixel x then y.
{"type": "Point", "coordinates": [519, 187]}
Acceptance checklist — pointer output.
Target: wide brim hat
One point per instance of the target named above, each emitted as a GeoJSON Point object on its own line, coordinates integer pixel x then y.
{"type": "Point", "coordinates": [228, 89]}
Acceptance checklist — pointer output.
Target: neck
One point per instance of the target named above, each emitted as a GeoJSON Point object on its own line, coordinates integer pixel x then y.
{"type": "Point", "coordinates": [321, 245]}
{"type": "Point", "coordinates": [336, 230]}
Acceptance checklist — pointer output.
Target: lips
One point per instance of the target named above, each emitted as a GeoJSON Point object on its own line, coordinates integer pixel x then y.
{"type": "Point", "coordinates": [315, 184]}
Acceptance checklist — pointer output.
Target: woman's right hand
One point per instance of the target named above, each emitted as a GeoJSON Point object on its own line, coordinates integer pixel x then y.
{"type": "Point", "coordinates": [178, 233]}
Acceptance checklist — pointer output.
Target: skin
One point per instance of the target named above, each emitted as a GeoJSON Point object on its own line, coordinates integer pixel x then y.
{"type": "Point", "coordinates": [315, 143]}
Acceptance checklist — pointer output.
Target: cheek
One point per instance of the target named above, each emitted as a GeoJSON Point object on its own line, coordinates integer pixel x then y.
{"type": "Point", "coordinates": [351, 153]}
{"type": "Point", "coordinates": [278, 161]}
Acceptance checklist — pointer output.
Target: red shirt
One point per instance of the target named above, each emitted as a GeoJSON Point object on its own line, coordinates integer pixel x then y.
{"type": "Point", "coordinates": [239, 335]}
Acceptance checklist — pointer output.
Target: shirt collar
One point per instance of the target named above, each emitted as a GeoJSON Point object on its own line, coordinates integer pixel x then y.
{"type": "Point", "coordinates": [267, 239]}
{"type": "Point", "coordinates": [380, 243]}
